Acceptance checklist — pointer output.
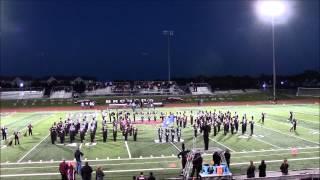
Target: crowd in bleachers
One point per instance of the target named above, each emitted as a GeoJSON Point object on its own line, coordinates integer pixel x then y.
{"type": "Point", "coordinates": [154, 85]}
{"type": "Point", "coordinates": [120, 87]}
{"type": "Point", "coordinates": [124, 88]}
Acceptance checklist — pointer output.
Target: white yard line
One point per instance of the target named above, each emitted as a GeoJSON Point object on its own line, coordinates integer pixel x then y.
{"type": "Point", "coordinates": [161, 157]}
{"type": "Point", "coordinates": [107, 164]}
{"type": "Point", "coordinates": [93, 160]}
{"type": "Point", "coordinates": [136, 163]}
{"type": "Point", "coordinates": [267, 142]}
{"type": "Point", "coordinates": [155, 169]}
{"type": "Point", "coordinates": [275, 150]}
{"type": "Point", "coordinates": [175, 146]}
{"type": "Point", "coordinates": [289, 134]}
{"type": "Point", "coordinates": [129, 153]}
{"type": "Point", "coordinates": [22, 129]}
{"type": "Point", "coordinates": [222, 145]}
{"type": "Point", "coordinates": [32, 149]}
{"type": "Point", "coordinates": [280, 160]}
{"type": "Point", "coordinates": [273, 154]}
{"type": "Point", "coordinates": [114, 171]}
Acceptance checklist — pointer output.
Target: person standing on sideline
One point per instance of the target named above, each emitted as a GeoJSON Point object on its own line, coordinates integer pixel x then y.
{"type": "Point", "coordinates": [216, 159]}
{"type": "Point", "coordinates": [99, 174]}
{"type": "Point", "coordinates": [141, 177]}
{"type": "Point", "coordinates": [71, 172]}
{"type": "Point", "coordinates": [78, 154]}
{"type": "Point", "coordinates": [206, 130]}
{"type": "Point", "coordinates": [284, 167]}
{"type": "Point", "coordinates": [86, 172]}
{"type": "Point", "coordinates": [151, 177]}
{"type": "Point", "coordinates": [227, 156]}
{"type": "Point", "coordinates": [63, 168]}
{"type": "Point", "coordinates": [183, 154]}
{"type": "Point", "coordinates": [251, 170]}
{"type": "Point", "coordinates": [197, 165]}
{"type": "Point", "coordinates": [262, 169]}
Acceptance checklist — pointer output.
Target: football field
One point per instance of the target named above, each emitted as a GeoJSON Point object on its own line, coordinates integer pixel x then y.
{"type": "Point", "coordinates": [37, 158]}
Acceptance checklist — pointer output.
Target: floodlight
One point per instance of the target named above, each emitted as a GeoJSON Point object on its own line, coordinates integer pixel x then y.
{"type": "Point", "coordinates": [21, 85]}
{"type": "Point", "coordinates": [264, 85]}
{"type": "Point", "coordinates": [271, 8]}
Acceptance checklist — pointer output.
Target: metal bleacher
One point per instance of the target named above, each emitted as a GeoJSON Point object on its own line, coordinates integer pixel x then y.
{"type": "Point", "coordinates": [61, 92]}
{"type": "Point", "coordinates": [23, 94]}
{"type": "Point", "coordinates": [200, 89]}
{"type": "Point", "coordinates": [157, 88]}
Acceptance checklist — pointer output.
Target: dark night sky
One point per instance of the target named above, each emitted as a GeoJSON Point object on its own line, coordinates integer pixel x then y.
{"type": "Point", "coordinates": [122, 39]}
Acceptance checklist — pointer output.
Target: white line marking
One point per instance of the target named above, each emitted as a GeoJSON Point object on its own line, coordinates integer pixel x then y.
{"type": "Point", "coordinates": [267, 143]}
{"type": "Point", "coordinates": [128, 149]}
{"type": "Point", "coordinates": [119, 164]}
{"type": "Point", "coordinates": [32, 149]}
{"type": "Point", "coordinates": [222, 145]}
{"type": "Point", "coordinates": [108, 164]}
{"type": "Point", "coordinates": [289, 135]}
{"type": "Point", "coordinates": [26, 127]}
{"type": "Point", "coordinates": [281, 160]}
{"type": "Point", "coordinates": [161, 157]}
{"type": "Point", "coordinates": [272, 154]}
{"type": "Point", "coordinates": [175, 146]}
{"type": "Point", "coordinates": [154, 169]}
{"type": "Point", "coordinates": [114, 171]}
{"type": "Point", "coordinates": [272, 150]}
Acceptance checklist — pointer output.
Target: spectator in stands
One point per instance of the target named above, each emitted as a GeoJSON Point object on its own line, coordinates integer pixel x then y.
{"type": "Point", "coordinates": [284, 167]}
{"type": "Point", "coordinates": [262, 169]}
{"type": "Point", "coordinates": [151, 177]}
{"type": "Point", "coordinates": [227, 156]}
{"type": "Point", "coordinates": [141, 177]}
{"type": "Point", "coordinates": [86, 172]}
{"type": "Point", "coordinates": [63, 168]}
{"type": "Point", "coordinates": [78, 154]}
{"type": "Point", "coordinates": [251, 170]}
{"type": "Point", "coordinates": [99, 174]}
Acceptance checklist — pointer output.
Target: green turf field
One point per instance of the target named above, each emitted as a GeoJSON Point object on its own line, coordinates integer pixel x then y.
{"type": "Point", "coordinates": [37, 158]}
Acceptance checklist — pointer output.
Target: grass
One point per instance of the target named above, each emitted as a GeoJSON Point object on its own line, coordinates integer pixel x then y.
{"type": "Point", "coordinates": [272, 142]}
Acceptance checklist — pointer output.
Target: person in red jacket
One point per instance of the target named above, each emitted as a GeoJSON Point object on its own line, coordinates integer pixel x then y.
{"type": "Point", "coordinates": [63, 168]}
{"type": "Point", "coordinates": [71, 172]}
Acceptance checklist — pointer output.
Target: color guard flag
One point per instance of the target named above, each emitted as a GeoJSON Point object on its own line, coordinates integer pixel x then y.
{"type": "Point", "coordinates": [168, 121]}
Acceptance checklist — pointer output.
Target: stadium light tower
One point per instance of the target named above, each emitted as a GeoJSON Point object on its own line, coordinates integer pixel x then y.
{"type": "Point", "coordinates": [272, 9]}
{"type": "Point", "coordinates": [168, 33]}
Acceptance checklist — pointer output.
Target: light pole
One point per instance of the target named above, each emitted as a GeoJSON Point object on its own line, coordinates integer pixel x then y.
{"type": "Point", "coordinates": [168, 33]}
{"type": "Point", "coordinates": [273, 62]}
{"type": "Point", "coordinates": [271, 9]}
